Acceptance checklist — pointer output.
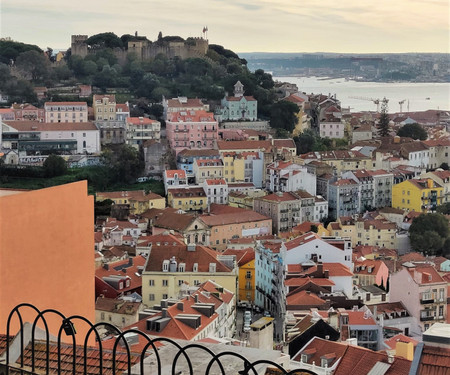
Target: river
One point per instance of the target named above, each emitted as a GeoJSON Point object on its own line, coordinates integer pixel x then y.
{"type": "Point", "coordinates": [419, 96]}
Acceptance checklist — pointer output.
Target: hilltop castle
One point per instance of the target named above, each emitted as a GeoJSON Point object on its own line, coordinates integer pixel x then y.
{"type": "Point", "coordinates": [145, 49]}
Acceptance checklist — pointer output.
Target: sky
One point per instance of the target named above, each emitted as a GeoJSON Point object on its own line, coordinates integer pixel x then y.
{"type": "Point", "coordinates": [343, 26]}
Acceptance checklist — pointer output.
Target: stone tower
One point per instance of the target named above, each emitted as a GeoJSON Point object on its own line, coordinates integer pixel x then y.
{"type": "Point", "coordinates": [78, 45]}
{"type": "Point", "coordinates": [238, 90]}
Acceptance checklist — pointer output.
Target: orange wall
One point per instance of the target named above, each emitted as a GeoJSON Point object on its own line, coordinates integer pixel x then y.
{"type": "Point", "coordinates": [47, 253]}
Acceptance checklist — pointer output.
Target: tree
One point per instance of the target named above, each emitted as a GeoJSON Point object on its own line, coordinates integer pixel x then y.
{"type": "Point", "coordinates": [54, 166]}
{"type": "Point", "coordinates": [428, 233]}
{"type": "Point", "coordinates": [383, 123]}
{"type": "Point", "coordinates": [414, 131]}
{"type": "Point", "coordinates": [444, 209]}
{"type": "Point", "coordinates": [35, 64]}
{"type": "Point", "coordinates": [123, 162]}
{"type": "Point", "coordinates": [104, 40]}
{"type": "Point", "coordinates": [283, 115]}
{"type": "Point", "coordinates": [305, 142]}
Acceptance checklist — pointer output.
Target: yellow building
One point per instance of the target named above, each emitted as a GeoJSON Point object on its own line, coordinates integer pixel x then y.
{"type": "Point", "coordinates": [344, 227]}
{"type": "Point", "coordinates": [381, 233]}
{"type": "Point", "coordinates": [138, 200]}
{"type": "Point", "coordinates": [234, 167]}
{"type": "Point", "coordinates": [420, 195]}
{"type": "Point", "coordinates": [205, 169]}
{"type": "Point", "coordinates": [245, 259]}
{"type": "Point", "coordinates": [187, 198]}
{"type": "Point", "coordinates": [172, 269]}
{"type": "Point", "coordinates": [340, 160]}
{"type": "Point", "coordinates": [104, 107]}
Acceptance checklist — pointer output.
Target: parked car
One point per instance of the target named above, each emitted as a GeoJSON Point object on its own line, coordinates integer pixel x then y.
{"type": "Point", "coordinates": [247, 327]}
{"type": "Point", "coordinates": [142, 179]}
{"type": "Point", "coordinates": [267, 314]}
{"type": "Point", "coordinates": [247, 316]}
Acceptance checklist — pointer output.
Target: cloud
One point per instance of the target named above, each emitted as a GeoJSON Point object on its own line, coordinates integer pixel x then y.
{"type": "Point", "coordinates": [252, 25]}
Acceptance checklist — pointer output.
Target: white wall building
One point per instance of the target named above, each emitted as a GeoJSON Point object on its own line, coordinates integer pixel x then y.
{"type": "Point", "coordinates": [332, 129]}
{"type": "Point", "coordinates": [216, 190]}
{"type": "Point", "coordinates": [311, 246]}
{"type": "Point", "coordinates": [287, 176]}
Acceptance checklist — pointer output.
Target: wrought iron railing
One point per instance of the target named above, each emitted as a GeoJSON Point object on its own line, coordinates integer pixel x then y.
{"type": "Point", "coordinates": [137, 366]}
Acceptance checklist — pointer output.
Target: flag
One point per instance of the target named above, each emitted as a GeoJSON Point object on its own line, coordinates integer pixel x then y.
{"type": "Point", "coordinates": [205, 29]}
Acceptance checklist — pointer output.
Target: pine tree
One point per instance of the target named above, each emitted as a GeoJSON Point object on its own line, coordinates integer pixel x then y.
{"type": "Point", "coordinates": [383, 124]}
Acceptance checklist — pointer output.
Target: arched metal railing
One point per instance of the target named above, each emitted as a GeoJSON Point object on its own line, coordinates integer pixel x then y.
{"type": "Point", "coordinates": [135, 361]}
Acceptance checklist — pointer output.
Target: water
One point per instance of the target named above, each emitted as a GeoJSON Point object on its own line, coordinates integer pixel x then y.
{"type": "Point", "coordinates": [415, 93]}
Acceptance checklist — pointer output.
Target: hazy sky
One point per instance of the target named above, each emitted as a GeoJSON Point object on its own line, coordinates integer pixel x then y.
{"type": "Point", "coordinates": [241, 25]}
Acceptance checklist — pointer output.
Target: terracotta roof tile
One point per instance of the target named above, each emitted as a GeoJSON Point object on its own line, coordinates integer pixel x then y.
{"type": "Point", "coordinates": [202, 256]}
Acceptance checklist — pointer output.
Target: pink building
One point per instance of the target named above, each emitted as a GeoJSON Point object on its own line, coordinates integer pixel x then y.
{"type": "Point", "coordinates": [423, 292]}
{"type": "Point", "coordinates": [195, 129]}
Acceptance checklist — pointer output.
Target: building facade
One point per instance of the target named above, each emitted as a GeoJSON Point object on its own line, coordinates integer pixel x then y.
{"type": "Point", "coordinates": [66, 112]}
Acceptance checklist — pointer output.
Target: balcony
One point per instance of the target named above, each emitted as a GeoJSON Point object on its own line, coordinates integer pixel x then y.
{"type": "Point", "coordinates": [426, 318]}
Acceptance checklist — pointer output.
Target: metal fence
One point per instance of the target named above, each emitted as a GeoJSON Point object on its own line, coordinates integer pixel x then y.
{"type": "Point", "coordinates": [29, 363]}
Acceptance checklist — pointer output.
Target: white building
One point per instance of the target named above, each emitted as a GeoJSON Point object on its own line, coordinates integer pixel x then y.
{"type": "Point", "coordinates": [320, 209]}
{"type": "Point", "coordinates": [174, 178]}
{"type": "Point", "coordinates": [288, 176]}
{"type": "Point", "coordinates": [311, 246]}
{"type": "Point", "coordinates": [216, 190]}
{"type": "Point", "coordinates": [42, 138]}
{"type": "Point", "coordinates": [332, 129]}
{"type": "Point", "coordinates": [140, 129]}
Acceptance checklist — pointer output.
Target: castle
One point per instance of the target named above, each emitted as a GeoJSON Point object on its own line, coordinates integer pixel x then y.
{"type": "Point", "coordinates": [145, 49]}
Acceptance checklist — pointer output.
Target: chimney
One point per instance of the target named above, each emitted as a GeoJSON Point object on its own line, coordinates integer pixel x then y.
{"type": "Point", "coordinates": [164, 312]}
{"type": "Point", "coordinates": [326, 274]}
{"type": "Point", "coordinates": [320, 269]}
{"type": "Point", "coordinates": [180, 306]}
{"type": "Point", "coordinates": [106, 266]}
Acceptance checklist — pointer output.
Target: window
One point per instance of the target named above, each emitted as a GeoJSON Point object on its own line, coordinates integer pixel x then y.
{"type": "Point", "coordinates": [102, 316]}
{"type": "Point", "coordinates": [151, 283]}
{"type": "Point", "coordinates": [164, 296]}
{"type": "Point", "coordinates": [180, 282]}
{"type": "Point", "coordinates": [165, 282]}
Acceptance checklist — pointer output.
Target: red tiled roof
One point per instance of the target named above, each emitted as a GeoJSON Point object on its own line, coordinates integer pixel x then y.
{"type": "Point", "coordinates": [187, 192]}
{"type": "Point", "coordinates": [188, 103]}
{"type": "Point", "coordinates": [434, 361]}
{"type": "Point", "coordinates": [175, 328]}
{"type": "Point", "coordinates": [131, 273]}
{"type": "Point", "coordinates": [304, 227]}
{"type": "Point", "coordinates": [93, 359]}
{"type": "Point", "coordinates": [238, 99]}
{"type": "Point", "coordinates": [279, 197]}
{"type": "Point", "coordinates": [358, 318]}
{"type": "Point", "coordinates": [117, 306]}
{"type": "Point", "coordinates": [344, 181]}
{"type": "Point", "coordinates": [216, 181]}
{"type": "Point", "coordinates": [161, 239]}
{"type": "Point", "coordinates": [428, 273]}
{"type": "Point", "coordinates": [36, 126]}
{"type": "Point", "coordinates": [392, 342]}
{"type": "Point", "coordinates": [65, 103]}
{"type": "Point", "coordinates": [284, 143]}
{"type": "Point", "coordinates": [304, 297]}
{"type": "Point", "coordinates": [358, 360]}
{"type": "Point", "coordinates": [112, 98]}
{"type": "Point", "coordinates": [320, 348]}
{"type": "Point", "coordinates": [334, 269]}
{"type": "Point", "coordinates": [373, 265]}
{"type": "Point", "coordinates": [243, 256]}
{"type": "Point", "coordinates": [202, 255]}
{"type": "Point", "coordinates": [244, 145]}
{"type": "Point", "coordinates": [187, 116]}
{"type": "Point", "coordinates": [209, 162]}
{"type": "Point", "coordinates": [140, 120]}
{"type": "Point", "coordinates": [171, 173]}
{"type": "Point", "coordinates": [222, 215]}
{"type": "Point", "coordinates": [307, 237]}
{"type": "Point", "coordinates": [130, 195]}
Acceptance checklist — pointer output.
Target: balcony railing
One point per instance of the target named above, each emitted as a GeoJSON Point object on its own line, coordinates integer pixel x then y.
{"type": "Point", "coordinates": [47, 357]}
{"type": "Point", "coordinates": [425, 300]}
{"type": "Point", "coordinates": [426, 318]}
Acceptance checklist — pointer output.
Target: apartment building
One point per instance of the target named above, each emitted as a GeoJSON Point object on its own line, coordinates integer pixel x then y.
{"type": "Point", "coordinates": [66, 112]}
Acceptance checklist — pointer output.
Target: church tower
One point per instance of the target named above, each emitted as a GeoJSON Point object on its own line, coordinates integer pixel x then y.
{"type": "Point", "coordinates": [238, 90]}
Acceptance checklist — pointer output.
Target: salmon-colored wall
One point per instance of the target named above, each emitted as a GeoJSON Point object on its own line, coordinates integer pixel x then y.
{"type": "Point", "coordinates": [47, 254]}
